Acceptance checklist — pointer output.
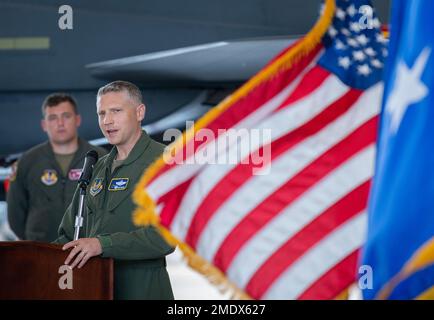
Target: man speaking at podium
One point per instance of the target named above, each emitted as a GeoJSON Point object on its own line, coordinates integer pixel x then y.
{"type": "Point", "coordinates": [108, 230]}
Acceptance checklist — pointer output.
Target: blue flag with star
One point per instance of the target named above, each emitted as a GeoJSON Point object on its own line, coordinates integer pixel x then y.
{"type": "Point", "coordinates": [400, 239]}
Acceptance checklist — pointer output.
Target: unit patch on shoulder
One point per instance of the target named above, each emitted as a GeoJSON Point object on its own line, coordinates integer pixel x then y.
{"type": "Point", "coordinates": [96, 187]}
{"type": "Point", "coordinates": [14, 169]}
{"type": "Point", "coordinates": [118, 184]}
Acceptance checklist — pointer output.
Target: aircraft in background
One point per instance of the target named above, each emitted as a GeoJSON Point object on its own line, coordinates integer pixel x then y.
{"type": "Point", "coordinates": [186, 56]}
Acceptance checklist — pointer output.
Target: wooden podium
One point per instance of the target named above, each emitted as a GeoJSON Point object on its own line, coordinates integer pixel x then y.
{"type": "Point", "coordinates": [35, 270]}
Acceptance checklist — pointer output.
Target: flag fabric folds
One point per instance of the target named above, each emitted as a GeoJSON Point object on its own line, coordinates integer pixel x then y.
{"type": "Point", "coordinates": [400, 243]}
{"type": "Point", "coordinates": [286, 219]}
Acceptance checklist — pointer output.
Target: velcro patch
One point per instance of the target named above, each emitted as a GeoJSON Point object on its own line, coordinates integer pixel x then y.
{"type": "Point", "coordinates": [118, 184]}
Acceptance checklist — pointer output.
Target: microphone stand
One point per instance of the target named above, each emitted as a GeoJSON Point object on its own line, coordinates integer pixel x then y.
{"type": "Point", "coordinates": [79, 217]}
{"type": "Point", "coordinates": [89, 161]}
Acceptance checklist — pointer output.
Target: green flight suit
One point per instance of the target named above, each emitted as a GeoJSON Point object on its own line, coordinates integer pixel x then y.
{"type": "Point", "coordinates": [139, 253]}
{"type": "Point", "coordinates": [40, 193]}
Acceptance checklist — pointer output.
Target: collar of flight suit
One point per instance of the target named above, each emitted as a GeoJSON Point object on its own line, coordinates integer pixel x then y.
{"type": "Point", "coordinates": [138, 149]}
{"type": "Point", "coordinates": [78, 155]}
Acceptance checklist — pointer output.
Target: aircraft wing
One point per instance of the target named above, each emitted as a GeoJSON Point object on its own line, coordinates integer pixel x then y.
{"type": "Point", "coordinates": [218, 63]}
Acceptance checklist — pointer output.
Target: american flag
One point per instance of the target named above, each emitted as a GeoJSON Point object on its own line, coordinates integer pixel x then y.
{"type": "Point", "coordinates": [293, 228]}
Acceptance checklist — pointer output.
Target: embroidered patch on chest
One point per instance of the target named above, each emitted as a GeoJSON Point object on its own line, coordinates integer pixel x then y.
{"type": "Point", "coordinates": [49, 177]}
{"type": "Point", "coordinates": [74, 174]}
{"type": "Point", "coordinates": [118, 184]}
{"type": "Point", "coordinates": [96, 187]}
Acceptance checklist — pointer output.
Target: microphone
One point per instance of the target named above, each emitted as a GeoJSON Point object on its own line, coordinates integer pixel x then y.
{"type": "Point", "coordinates": [89, 162]}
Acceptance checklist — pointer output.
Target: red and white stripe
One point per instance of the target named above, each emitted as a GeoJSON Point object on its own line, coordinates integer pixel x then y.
{"type": "Point", "coordinates": [295, 232]}
{"type": "Point", "coordinates": [172, 175]}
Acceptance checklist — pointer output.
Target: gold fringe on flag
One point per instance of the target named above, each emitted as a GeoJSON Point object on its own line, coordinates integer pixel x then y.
{"type": "Point", "coordinates": [422, 258]}
{"type": "Point", "coordinates": [345, 294]}
{"type": "Point", "coordinates": [427, 294]}
{"type": "Point", "coordinates": [145, 214]}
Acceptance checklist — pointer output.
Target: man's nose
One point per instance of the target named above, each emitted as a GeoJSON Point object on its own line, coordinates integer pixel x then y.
{"type": "Point", "coordinates": [60, 121]}
{"type": "Point", "coordinates": [108, 119]}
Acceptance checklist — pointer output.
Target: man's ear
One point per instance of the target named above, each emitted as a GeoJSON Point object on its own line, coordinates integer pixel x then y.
{"type": "Point", "coordinates": [77, 120]}
{"type": "Point", "coordinates": [44, 125]}
{"type": "Point", "coordinates": [141, 110]}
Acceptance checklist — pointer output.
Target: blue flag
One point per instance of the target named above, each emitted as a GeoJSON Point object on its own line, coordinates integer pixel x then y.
{"type": "Point", "coordinates": [400, 239]}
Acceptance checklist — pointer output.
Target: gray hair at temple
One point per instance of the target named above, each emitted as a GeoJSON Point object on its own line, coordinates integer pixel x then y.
{"type": "Point", "coordinates": [119, 86]}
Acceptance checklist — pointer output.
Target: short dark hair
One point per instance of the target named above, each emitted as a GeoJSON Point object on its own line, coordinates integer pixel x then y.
{"type": "Point", "coordinates": [119, 86]}
{"type": "Point", "coordinates": [56, 98]}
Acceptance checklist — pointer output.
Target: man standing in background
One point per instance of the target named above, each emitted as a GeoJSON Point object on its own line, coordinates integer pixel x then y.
{"type": "Point", "coordinates": [44, 179]}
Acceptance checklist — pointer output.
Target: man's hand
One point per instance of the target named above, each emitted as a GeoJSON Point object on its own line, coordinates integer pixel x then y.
{"type": "Point", "coordinates": [84, 249]}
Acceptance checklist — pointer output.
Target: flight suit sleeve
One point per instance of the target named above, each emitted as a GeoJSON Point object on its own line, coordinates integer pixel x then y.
{"type": "Point", "coordinates": [17, 202]}
{"type": "Point", "coordinates": [143, 243]}
{"type": "Point", "coordinates": [66, 228]}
